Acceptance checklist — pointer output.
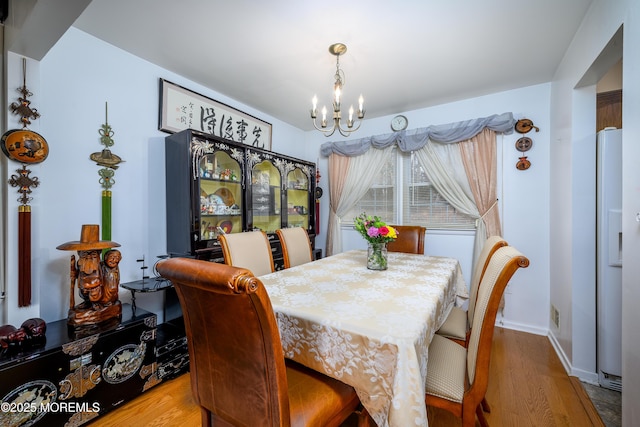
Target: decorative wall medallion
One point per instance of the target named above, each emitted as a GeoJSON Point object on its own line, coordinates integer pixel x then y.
{"type": "Point", "coordinates": [523, 163]}
{"type": "Point", "coordinates": [24, 146]}
{"type": "Point", "coordinates": [525, 125]}
{"type": "Point", "coordinates": [123, 363]}
{"type": "Point", "coordinates": [524, 144]}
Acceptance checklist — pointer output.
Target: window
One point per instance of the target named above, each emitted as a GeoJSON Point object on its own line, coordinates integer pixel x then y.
{"type": "Point", "coordinates": [380, 200]}
{"type": "Point", "coordinates": [417, 201]}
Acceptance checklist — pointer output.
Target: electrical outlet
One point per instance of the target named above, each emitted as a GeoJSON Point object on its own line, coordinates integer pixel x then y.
{"type": "Point", "coordinates": [555, 316]}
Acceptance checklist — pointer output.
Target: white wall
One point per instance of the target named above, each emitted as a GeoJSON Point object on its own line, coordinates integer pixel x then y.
{"type": "Point", "coordinates": [523, 197]}
{"type": "Point", "coordinates": [71, 85]}
{"type": "Point", "coordinates": [81, 73]}
{"type": "Point", "coordinates": [572, 129]}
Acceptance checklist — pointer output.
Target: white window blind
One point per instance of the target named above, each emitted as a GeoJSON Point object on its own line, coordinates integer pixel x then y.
{"type": "Point", "coordinates": [422, 204]}
{"type": "Point", "coordinates": [417, 202]}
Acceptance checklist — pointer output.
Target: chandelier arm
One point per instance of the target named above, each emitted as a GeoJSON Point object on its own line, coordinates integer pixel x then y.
{"type": "Point", "coordinates": [347, 132]}
{"type": "Point", "coordinates": [327, 132]}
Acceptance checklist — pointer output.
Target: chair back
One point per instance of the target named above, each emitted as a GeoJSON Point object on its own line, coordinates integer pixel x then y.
{"type": "Point", "coordinates": [502, 265]}
{"type": "Point", "coordinates": [410, 239]}
{"type": "Point", "coordinates": [250, 250]}
{"type": "Point", "coordinates": [490, 246]}
{"type": "Point", "coordinates": [237, 366]}
{"type": "Point", "coordinates": [296, 246]}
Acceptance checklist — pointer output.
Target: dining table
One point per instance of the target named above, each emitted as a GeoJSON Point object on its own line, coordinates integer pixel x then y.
{"type": "Point", "coordinates": [370, 329]}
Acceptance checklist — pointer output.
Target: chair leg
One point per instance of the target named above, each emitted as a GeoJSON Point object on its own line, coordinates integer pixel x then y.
{"type": "Point", "coordinates": [364, 419]}
{"type": "Point", "coordinates": [205, 416]}
{"type": "Point", "coordinates": [481, 418]}
{"type": "Point", "coordinates": [485, 405]}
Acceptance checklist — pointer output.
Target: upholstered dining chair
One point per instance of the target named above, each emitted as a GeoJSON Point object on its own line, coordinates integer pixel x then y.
{"type": "Point", "coordinates": [410, 239]}
{"type": "Point", "coordinates": [250, 250]}
{"type": "Point", "coordinates": [239, 376]}
{"type": "Point", "coordinates": [457, 324]}
{"type": "Point", "coordinates": [296, 246]}
{"type": "Point", "coordinates": [457, 377]}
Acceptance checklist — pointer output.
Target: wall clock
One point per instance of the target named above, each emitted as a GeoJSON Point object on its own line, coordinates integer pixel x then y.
{"type": "Point", "coordinates": [398, 123]}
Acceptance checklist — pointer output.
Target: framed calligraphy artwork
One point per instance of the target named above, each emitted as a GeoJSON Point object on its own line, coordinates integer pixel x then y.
{"type": "Point", "coordinates": [181, 108]}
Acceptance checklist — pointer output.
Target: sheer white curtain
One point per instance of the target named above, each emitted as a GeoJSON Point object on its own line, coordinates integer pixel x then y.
{"type": "Point", "coordinates": [444, 140]}
{"type": "Point", "coordinates": [363, 170]}
{"type": "Point", "coordinates": [445, 169]}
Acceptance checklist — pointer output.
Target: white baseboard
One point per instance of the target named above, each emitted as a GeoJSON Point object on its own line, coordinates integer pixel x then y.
{"type": "Point", "coordinates": [521, 327]}
{"type": "Point", "coordinates": [585, 376]}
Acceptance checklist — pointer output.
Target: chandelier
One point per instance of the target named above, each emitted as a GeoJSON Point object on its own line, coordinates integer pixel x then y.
{"type": "Point", "coordinates": [337, 49]}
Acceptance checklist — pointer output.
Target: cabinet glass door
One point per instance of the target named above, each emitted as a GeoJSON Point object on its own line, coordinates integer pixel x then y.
{"type": "Point", "coordinates": [266, 197]}
{"type": "Point", "coordinates": [220, 195]}
{"type": "Point", "coordinates": [298, 199]}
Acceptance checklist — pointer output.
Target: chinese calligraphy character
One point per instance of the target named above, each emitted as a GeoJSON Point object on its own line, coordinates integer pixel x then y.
{"type": "Point", "coordinates": [257, 132]}
{"type": "Point", "coordinates": [207, 120]}
{"type": "Point", "coordinates": [228, 130]}
{"type": "Point", "coordinates": [242, 130]}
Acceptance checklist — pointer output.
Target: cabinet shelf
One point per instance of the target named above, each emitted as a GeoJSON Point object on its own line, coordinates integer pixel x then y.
{"type": "Point", "coordinates": [235, 181]}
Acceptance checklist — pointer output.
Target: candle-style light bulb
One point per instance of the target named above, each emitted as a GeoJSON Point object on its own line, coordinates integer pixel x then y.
{"type": "Point", "coordinates": [360, 104]}
{"type": "Point", "coordinates": [314, 107]}
{"type": "Point", "coordinates": [351, 113]}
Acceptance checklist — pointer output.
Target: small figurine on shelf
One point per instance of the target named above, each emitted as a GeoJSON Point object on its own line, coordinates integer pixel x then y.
{"type": "Point", "coordinates": [233, 176]}
{"type": "Point", "coordinates": [225, 174]}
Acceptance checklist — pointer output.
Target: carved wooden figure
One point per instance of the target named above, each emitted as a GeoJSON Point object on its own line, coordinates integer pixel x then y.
{"type": "Point", "coordinates": [97, 281]}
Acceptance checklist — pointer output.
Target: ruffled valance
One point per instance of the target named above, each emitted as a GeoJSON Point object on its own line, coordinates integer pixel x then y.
{"type": "Point", "coordinates": [412, 140]}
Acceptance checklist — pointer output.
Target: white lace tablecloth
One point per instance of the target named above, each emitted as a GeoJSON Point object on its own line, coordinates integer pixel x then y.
{"type": "Point", "coordinates": [369, 329]}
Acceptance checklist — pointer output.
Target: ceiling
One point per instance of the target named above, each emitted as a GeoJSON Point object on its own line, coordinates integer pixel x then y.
{"type": "Point", "coordinates": [402, 55]}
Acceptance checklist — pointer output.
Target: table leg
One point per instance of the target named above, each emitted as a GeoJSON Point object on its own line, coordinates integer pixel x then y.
{"type": "Point", "coordinates": [133, 301]}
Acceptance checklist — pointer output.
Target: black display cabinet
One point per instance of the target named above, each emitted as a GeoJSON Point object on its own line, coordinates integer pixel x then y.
{"type": "Point", "coordinates": [218, 186]}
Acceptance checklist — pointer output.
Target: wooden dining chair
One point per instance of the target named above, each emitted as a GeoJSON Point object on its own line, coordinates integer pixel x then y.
{"type": "Point", "coordinates": [457, 324]}
{"type": "Point", "coordinates": [296, 246]}
{"type": "Point", "coordinates": [250, 250]}
{"type": "Point", "coordinates": [239, 376]}
{"type": "Point", "coordinates": [410, 239]}
{"type": "Point", "coordinates": [457, 377]}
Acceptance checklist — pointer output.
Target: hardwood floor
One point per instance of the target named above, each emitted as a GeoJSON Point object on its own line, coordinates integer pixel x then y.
{"type": "Point", "coordinates": [528, 387]}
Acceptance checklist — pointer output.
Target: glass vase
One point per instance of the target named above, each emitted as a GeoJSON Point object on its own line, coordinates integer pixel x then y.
{"type": "Point", "coordinates": [377, 256]}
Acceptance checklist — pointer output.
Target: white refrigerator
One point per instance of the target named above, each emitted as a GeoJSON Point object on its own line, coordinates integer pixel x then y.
{"type": "Point", "coordinates": [609, 258]}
